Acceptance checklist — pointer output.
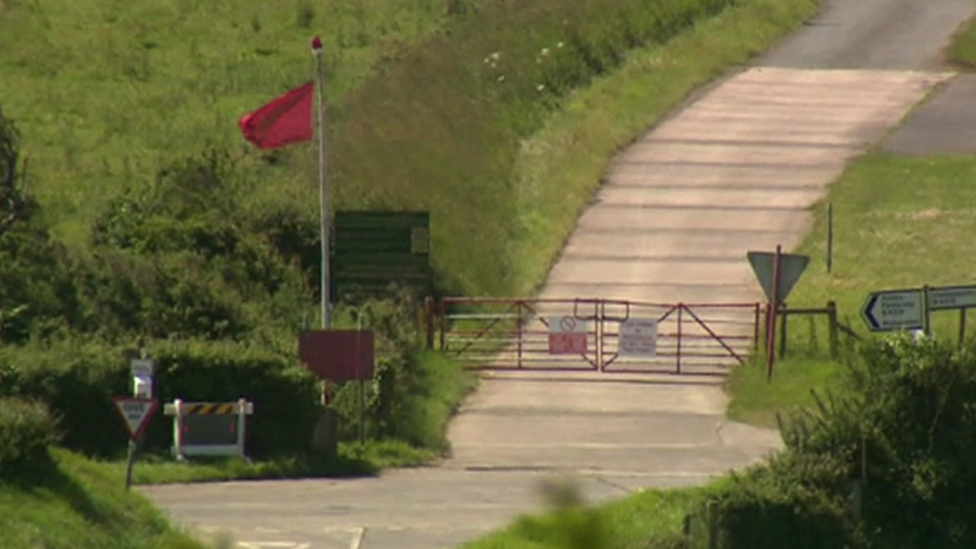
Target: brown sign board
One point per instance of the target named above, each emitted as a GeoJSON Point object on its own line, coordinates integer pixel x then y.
{"type": "Point", "coordinates": [337, 355]}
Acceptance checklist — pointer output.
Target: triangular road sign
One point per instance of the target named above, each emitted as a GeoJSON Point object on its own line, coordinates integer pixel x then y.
{"type": "Point", "coordinates": [791, 266]}
{"type": "Point", "coordinates": [135, 413]}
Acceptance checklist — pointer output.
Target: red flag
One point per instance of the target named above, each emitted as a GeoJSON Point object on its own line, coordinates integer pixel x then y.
{"type": "Point", "coordinates": [284, 120]}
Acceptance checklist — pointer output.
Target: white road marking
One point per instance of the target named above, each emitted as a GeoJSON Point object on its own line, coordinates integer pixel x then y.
{"type": "Point", "coordinates": [271, 545]}
{"type": "Point", "coordinates": [357, 538]}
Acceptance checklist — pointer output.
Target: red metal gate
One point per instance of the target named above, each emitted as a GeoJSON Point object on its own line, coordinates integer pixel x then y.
{"type": "Point", "coordinates": [519, 334]}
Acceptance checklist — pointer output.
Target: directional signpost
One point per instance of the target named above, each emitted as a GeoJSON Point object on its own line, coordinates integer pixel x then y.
{"type": "Point", "coordinates": [894, 310]}
{"type": "Point", "coordinates": [953, 297]}
{"type": "Point", "coordinates": [910, 309]}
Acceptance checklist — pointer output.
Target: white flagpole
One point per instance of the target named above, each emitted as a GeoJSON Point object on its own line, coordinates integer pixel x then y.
{"type": "Point", "coordinates": [323, 183]}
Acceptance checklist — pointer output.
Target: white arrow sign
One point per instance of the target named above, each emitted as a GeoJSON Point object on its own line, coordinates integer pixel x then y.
{"type": "Point", "coordinates": [135, 413]}
{"type": "Point", "coordinates": [894, 310]}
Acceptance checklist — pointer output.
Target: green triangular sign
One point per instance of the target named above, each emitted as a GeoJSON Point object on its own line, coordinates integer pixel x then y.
{"type": "Point", "coordinates": [791, 266]}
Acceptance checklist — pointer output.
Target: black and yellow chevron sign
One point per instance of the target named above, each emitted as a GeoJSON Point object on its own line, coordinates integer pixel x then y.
{"type": "Point", "coordinates": [210, 408]}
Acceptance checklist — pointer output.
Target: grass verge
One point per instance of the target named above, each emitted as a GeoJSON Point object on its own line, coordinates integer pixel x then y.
{"type": "Point", "coordinates": [898, 223]}
{"type": "Point", "coordinates": [962, 51]}
{"type": "Point", "coordinates": [77, 506]}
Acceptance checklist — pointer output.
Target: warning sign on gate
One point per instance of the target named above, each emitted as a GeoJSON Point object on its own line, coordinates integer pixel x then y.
{"type": "Point", "coordinates": [638, 338]}
{"type": "Point", "coordinates": [567, 336]}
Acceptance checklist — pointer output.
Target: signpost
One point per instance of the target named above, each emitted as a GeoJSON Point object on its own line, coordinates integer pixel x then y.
{"type": "Point", "coordinates": [567, 336]}
{"type": "Point", "coordinates": [777, 274]}
{"type": "Point", "coordinates": [910, 309]}
{"type": "Point", "coordinates": [135, 413]}
{"type": "Point", "coordinates": [894, 310]}
{"type": "Point", "coordinates": [638, 338]}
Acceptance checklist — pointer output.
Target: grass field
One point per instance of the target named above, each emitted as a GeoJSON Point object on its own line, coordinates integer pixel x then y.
{"type": "Point", "coordinates": [77, 506]}
{"type": "Point", "coordinates": [106, 93]}
{"type": "Point", "coordinates": [898, 223]}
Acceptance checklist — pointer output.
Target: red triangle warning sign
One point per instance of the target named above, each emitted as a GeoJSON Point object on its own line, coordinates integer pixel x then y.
{"type": "Point", "coordinates": [135, 413]}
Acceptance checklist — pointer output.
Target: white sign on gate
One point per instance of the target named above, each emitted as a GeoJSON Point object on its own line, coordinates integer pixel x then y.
{"type": "Point", "coordinates": [638, 338]}
{"type": "Point", "coordinates": [567, 336]}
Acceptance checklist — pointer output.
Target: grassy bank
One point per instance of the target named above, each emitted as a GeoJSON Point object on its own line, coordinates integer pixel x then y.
{"type": "Point", "coordinates": [77, 506]}
{"type": "Point", "coordinates": [898, 223]}
{"type": "Point", "coordinates": [963, 48]}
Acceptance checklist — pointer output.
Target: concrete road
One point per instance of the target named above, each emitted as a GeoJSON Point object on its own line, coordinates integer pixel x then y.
{"type": "Point", "coordinates": [736, 170]}
{"type": "Point", "coordinates": [873, 34]}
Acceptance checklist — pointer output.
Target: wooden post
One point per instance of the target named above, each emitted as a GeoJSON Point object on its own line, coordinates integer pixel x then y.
{"type": "Point", "coordinates": [712, 525]}
{"type": "Point", "coordinates": [832, 331]}
{"type": "Point", "coordinates": [830, 237]}
{"type": "Point", "coordinates": [429, 304]}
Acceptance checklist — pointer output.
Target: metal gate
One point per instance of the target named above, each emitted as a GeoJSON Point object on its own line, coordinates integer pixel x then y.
{"type": "Point", "coordinates": [589, 335]}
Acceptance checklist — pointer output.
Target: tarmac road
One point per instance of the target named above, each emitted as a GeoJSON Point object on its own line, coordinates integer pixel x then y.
{"type": "Point", "coordinates": [733, 170]}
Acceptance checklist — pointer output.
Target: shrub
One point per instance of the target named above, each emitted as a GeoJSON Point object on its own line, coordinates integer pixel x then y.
{"type": "Point", "coordinates": [27, 429]}
{"type": "Point", "coordinates": [907, 424]}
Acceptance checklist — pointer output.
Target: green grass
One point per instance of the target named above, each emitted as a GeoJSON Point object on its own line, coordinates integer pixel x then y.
{"type": "Point", "coordinates": [78, 506]}
{"type": "Point", "coordinates": [963, 48]}
{"type": "Point", "coordinates": [898, 223]}
{"type": "Point", "coordinates": [646, 520]}
{"type": "Point", "coordinates": [107, 92]}
{"type": "Point", "coordinates": [756, 401]}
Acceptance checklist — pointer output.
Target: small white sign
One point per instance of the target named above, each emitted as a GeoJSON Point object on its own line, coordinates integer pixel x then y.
{"type": "Point", "coordinates": [959, 297]}
{"type": "Point", "coordinates": [142, 367]}
{"type": "Point", "coordinates": [638, 338]}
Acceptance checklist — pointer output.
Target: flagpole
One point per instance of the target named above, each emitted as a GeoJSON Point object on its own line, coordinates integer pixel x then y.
{"type": "Point", "coordinates": [323, 184]}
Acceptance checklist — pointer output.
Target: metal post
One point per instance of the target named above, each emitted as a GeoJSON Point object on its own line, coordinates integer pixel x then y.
{"type": "Point", "coordinates": [178, 429]}
{"type": "Point", "coordinates": [241, 425]}
{"type": "Point", "coordinates": [926, 321]}
{"type": "Point", "coordinates": [518, 328]}
{"type": "Point", "coordinates": [443, 323]}
{"type": "Point", "coordinates": [830, 236]}
{"type": "Point", "coordinates": [773, 306]}
{"type": "Point", "coordinates": [962, 326]}
{"type": "Point", "coordinates": [680, 307]}
{"type": "Point", "coordinates": [712, 525]}
{"type": "Point", "coordinates": [323, 183]}
{"type": "Point", "coordinates": [782, 332]}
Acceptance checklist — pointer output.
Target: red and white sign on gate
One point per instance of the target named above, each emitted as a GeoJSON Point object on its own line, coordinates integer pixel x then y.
{"type": "Point", "coordinates": [567, 336]}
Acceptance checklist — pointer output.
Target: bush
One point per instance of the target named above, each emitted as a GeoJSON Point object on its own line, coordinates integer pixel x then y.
{"type": "Point", "coordinates": [27, 429]}
{"type": "Point", "coordinates": [906, 423]}
{"type": "Point", "coordinates": [77, 378]}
